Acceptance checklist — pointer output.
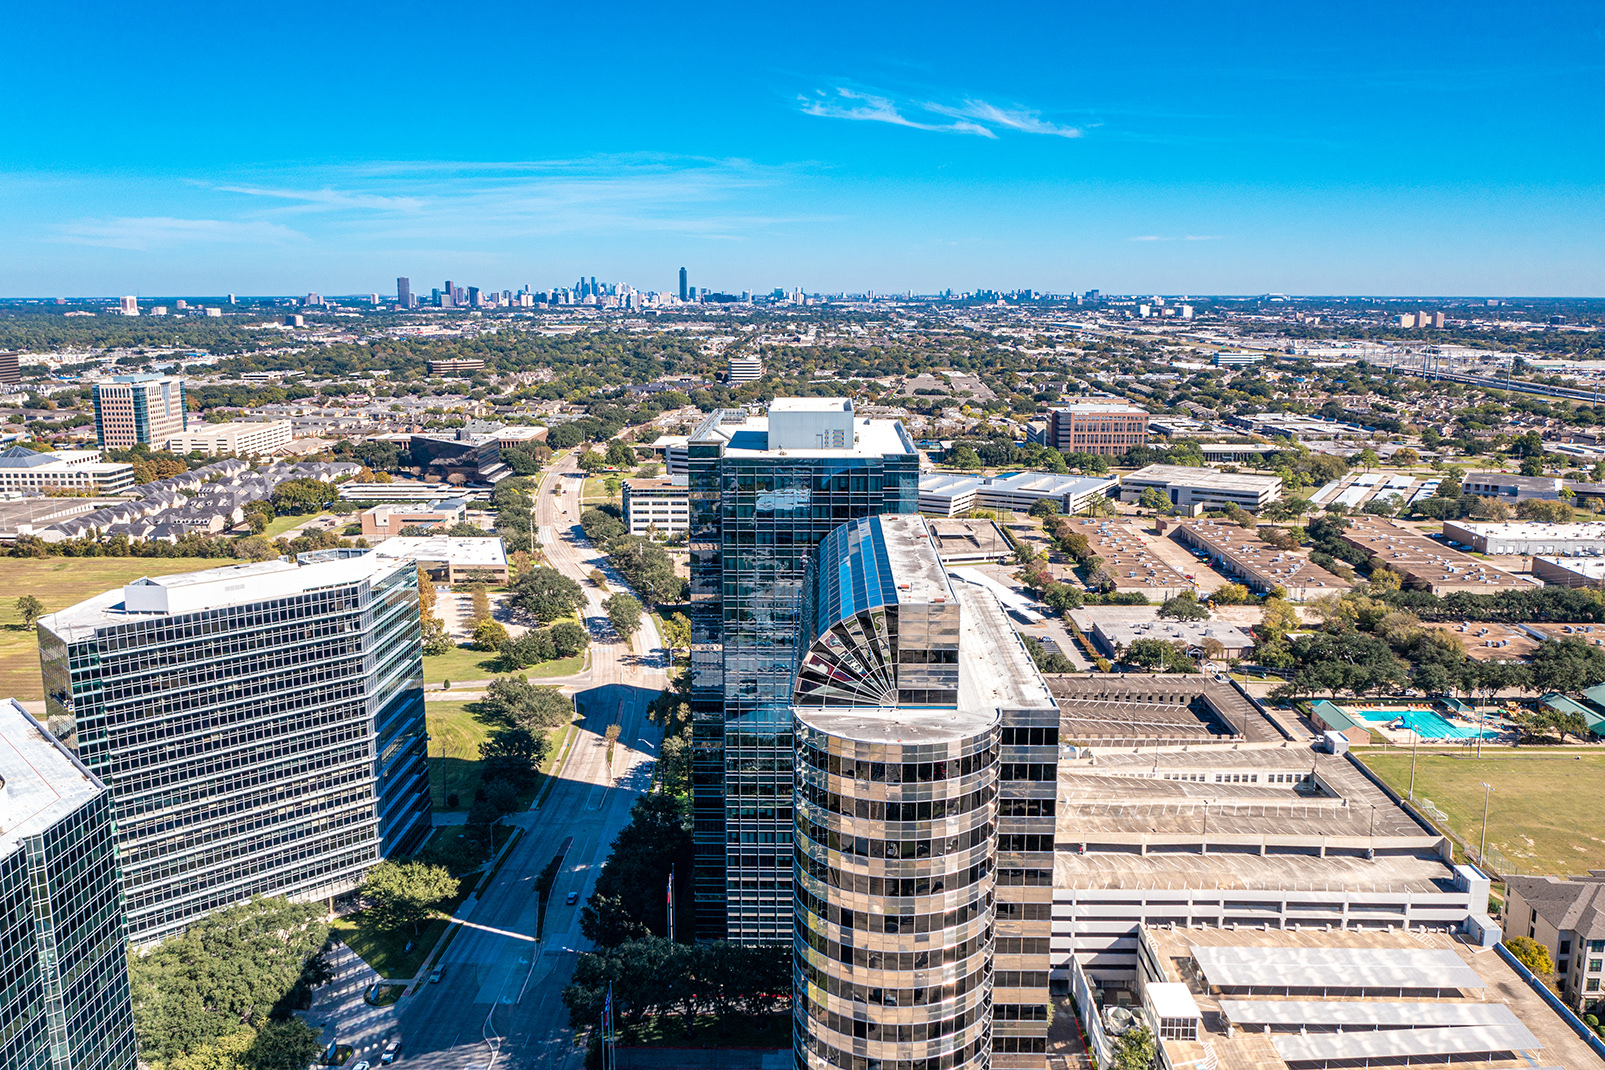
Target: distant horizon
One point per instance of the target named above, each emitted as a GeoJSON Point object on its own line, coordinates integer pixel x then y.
{"type": "Point", "coordinates": [890, 295]}
{"type": "Point", "coordinates": [1391, 149]}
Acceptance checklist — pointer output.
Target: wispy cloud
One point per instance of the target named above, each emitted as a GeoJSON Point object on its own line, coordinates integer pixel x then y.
{"type": "Point", "coordinates": [1184, 237]}
{"type": "Point", "coordinates": [327, 198]}
{"type": "Point", "coordinates": [155, 232]}
{"type": "Point", "coordinates": [977, 117]}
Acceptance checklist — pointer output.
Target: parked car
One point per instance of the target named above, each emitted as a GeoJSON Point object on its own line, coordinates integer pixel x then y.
{"type": "Point", "coordinates": [434, 977]}
{"type": "Point", "coordinates": [388, 1056]}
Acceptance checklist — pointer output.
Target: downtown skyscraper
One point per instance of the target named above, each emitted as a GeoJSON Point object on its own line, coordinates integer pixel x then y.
{"type": "Point", "coordinates": [765, 490]}
{"type": "Point", "coordinates": [261, 727]}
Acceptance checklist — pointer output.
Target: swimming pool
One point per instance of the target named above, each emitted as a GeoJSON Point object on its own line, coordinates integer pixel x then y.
{"type": "Point", "coordinates": [1427, 724]}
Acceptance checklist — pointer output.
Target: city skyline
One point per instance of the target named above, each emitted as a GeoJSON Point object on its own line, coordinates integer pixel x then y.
{"type": "Point", "coordinates": [1238, 152]}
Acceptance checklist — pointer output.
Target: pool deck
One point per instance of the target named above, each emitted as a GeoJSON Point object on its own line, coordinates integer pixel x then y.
{"type": "Point", "coordinates": [1380, 718]}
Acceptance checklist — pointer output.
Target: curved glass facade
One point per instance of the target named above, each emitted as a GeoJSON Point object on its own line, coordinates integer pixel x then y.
{"type": "Point", "coordinates": [896, 838]}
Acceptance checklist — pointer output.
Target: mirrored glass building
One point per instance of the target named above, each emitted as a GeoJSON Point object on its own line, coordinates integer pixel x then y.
{"type": "Point", "coordinates": [65, 1003]}
{"type": "Point", "coordinates": [260, 726]}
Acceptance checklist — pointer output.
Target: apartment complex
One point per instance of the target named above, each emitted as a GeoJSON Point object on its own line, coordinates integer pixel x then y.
{"type": "Point", "coordinates": [67, 1002]}
{"type": "Point", "coordinates": [657, 508]}
{"type": "Point", "coordinates": [764, 491]}
{"type": "Point", "coordinates": [1107, 428]}
{"type": "Point", "coordinates": [240, 436]}
{"type": "Point", "coordinates": [139, 409]}
{"type": "Point", "coordinates": [260, 726]}
{"type": "Point", "coordinates": [926, 743]}
{"type": "Point", "coordinates": [1567, 916]}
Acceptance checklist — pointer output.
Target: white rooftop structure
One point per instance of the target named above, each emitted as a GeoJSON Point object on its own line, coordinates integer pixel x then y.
{"type": "Point", "coordinates": [1333, 968]}
{"type": "Point", "coordinates": [469, 552]}
{"type": "Point", "coordinates": [209, 589]}
{"type": "Point", "coordinates": [1394, 1045]}
{"type": "Point", "coordinates": [40, 781]}
{"type": "Point", "coordinates": [1371, 1014]}
{"type": "Point", "coordinates": [1528, 537]}
{"type": "Point", "coordinates": [804, 427]}
{"type": "Point", "coordinates": [1171, 999]}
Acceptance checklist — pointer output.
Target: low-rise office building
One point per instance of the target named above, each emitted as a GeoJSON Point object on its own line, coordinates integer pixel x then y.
{"type": "Point", "coordinates": [28, 471]}
{"type": "Point", "coordinates": [1426, 565]}
{"type": "Point", "coordinates": [1570, 571]}
{"type": "Point", "coordinates": [239, 436]}
{"type": "Point", "coordinates": [1193, 636]}
{"type": "Point", "coordinates": [1514, 488]}
{"type": "Point", "coordinates": [399, 491]}
{"type": "Point", "coordinates": [1129, 561]}
{"type": "Point", "coordinates": [455, 366]}
{"type": "Point", "coordinates": [67, 999]}
{"type": "Point", "coordinates": [954, 494]}
{"type": "Point", "coordinates": [1185, 486]}
{"type": "Point", "coordinates": [451, 560]}
{"type": "Point", "coordinates": [1257, 564]}
{"type": "Point", "coordinates": [385, 521]}
{"type": "Point", "coordinates": [1527, 537]}
{"type": "Point", "coordinates": [657, 508]}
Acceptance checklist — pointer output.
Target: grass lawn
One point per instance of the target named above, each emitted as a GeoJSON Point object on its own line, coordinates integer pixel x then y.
{"type": "Point", "coordinates": [387, 952]}
{"type": "Point", "coordinates": [595, 491]}
{"type": "Point", "coordinates": [1542, 815]}
{"type": "Point", "coordinates": [456, 729]}
{"type": "Point", "coordinates": [280, 524]}
{"type": "Point", "coordinates": [464, 664]}
{"type": "Point", "coordinates": [60, 582]}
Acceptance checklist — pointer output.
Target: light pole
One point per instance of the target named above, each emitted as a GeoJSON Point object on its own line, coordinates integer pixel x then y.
{"type": "Point", "coordinates": [1482, 847]}
{"type": "Point", "coordinates": [1415, 738]}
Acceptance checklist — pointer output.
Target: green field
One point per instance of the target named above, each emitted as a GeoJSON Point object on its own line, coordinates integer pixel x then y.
{"type": "Point", "coordinates": [463, 664]}
{"type": "Point", "coordinates": [1541, 814]}
{"type": "Point", "coordinates": [60, 582]}
{"type": "Point", "coordinates": [456, 729]}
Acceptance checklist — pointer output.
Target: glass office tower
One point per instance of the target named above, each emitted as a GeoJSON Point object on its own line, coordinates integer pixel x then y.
{"type": "Point", "coordinates": [261, 728]}
{"type": "Point", "coordinates": [924, 867]}
{"type": "Point", "coordinates": [66, 1003]}
{"type": "Point", "coordinates": [765, 490]}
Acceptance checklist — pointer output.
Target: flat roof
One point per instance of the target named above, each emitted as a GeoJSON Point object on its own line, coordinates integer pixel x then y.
{"type": "Point", "coordinates": [995, 672]}
{"type": "Point", "coordinates": [1208, 478]}
{"type": "Point", "coordinates": [1171, 999]}
{"type": "Point", "coordinates": [213, 588]}
{"type": "Point", "coordinates": [1333, 967]}
{"type": "Point", "coordinates": [1532, 529]}
{"type": "Point", "coordinates": [749, 437]}
{"type": "Point", "coordinates": [40, 781]}
{"type": "Point", "coordinates": [1372, 1013]}
{"type": "Point", "coordinates": [1591, 568]}
{"type": "Point", "coordinates": [1191, 632]}
{"type": "Point", "coordinates": [470, 550]}
{"type": "Point", "coordinates": [1420, 559]}
{"type": "Point", "coordinates": [811, 404]}
{"type": "Point", "coordinates": [1128, 556]}
{"type": "Point", "coordinates": [1395, 1044]}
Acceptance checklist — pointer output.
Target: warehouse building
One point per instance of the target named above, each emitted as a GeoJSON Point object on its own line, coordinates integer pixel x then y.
{"type": "Point", "coordinates": [1527, 538]}
{"type": "Point", "coordinates": [1426, 565]}
{"type": "Point", "coordinates": [1516, 488]}
{"type": "Point", "coordinates": [1257, 564]}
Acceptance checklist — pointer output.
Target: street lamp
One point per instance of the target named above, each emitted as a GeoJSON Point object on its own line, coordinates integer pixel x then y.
{"type": "Point", "coordinates": [1482, 846]}
{"type": "Point", "coordinates": [1415, 738]}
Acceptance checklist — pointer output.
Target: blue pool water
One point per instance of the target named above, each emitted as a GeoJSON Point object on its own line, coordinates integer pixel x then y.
{"type": "Point", "coordinates": [1425, 723]}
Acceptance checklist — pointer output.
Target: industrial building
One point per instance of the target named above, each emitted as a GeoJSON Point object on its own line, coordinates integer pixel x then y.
{"type": "Point", "coordinates": [1128, 561]}
{"type": "Point", "coordinates": [954, 494]}
{"type": "Point", "coordinates": [657, 508]}
{"type": "Point", "coordinates": [262, 725]}
{"type": "Point", "coordinates": [1186, 486]}
{"type": "Point", "coordinates": [67, 1002]}
{"type": "Point", "coordinates": [1106, 428]}
{"type": "Point", "coordinates": [1570, 571]}
{"type": "Point", "coordinates": [1190, 635]}
{"type": "Point", "coordinates": [1426, 565]}
{"type": "Point", "coordinates": [1555, 540]}
{"type": "Point", "coordinates": [1258, 565]}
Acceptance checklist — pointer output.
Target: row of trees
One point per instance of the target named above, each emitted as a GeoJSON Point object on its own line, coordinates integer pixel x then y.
{"type": "Point", "coordinates": [656, 976]}
{"type": "Point", "coordinates": [644, 564]}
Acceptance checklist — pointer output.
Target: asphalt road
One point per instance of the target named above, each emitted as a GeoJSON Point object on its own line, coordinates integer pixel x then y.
{"type": "Point", "coordinates": [499, 1002]}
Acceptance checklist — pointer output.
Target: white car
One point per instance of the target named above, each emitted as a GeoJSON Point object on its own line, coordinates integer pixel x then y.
{"type": "Point", "coordinates": [360, 1064]}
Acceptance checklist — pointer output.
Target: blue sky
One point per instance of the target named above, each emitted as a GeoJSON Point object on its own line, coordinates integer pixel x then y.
{"type": "Point", "coordinates": [1397, 148]}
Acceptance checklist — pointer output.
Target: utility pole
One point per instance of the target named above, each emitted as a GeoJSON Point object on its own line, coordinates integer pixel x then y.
{"type": "Point", "coordinates": [1482, 847]}
{"type": "Point", "coordinates": [1415, 738]}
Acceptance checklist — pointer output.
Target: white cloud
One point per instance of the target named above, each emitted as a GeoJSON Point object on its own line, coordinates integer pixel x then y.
{"type": "Point", "coordinates": [153, 232]}
{"type": "Point", "coordinates": [329, 198]}
{"type": "Point", "coordinates": [867, 107]}
{"type": "Point", "coordinates": [977, 117]}
{"type": "Point", "coordinates": [1149, 237]}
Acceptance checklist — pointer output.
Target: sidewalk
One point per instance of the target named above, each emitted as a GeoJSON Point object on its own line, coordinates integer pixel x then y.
{"type": "Point", "coordinates": [340, 1013]}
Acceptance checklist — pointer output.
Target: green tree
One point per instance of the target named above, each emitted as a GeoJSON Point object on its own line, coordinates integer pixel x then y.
{"type": "Point", "coordinates": [624, 613]}
{"type": "Point", "coordinates": [1230, 594]}
{"type": "Point", "coordinates": [30, 609]}
{"type": "Point", "coordinates": [547, 595]}
{"type": "Point", "coordinates": [401, 894]}
{"type": "Point", "coordinates": [515, 701]}
{"type": "Point", "coordinates": [1154, 500]}
{"type": "Point", "coordinates": [619, 454]}
{"type": "Point", "coordinates": [1566, 665]}
{"type": "Point", "coordinates": [297, 497]}
{"type": "Point", "coordinates": [1044, 507]}
{"type": "Point", "coordinates": [512, 754]}
{"type": "Point", "coordinates": [963, 457]}
{"type": "Point", "coordinates": [1135, 1050]}
{"type": "Point", "coordinates": [1183, 607]}
{"type": "Point", "coordinates": [287, 1045]}
{"type": "Point", "coordinates": [676, 633]}
{"type": "Point", "coordinates": [1159, 655]}
{"type": "Point", "coordinates": [1531, 954]}
{"type": "Point", "coordinates": [628, 901]}
{"type": "Point", "coordinates": [1278, 618]}
{"type": "Point", "coordinates": [591, 462]}
{"type": "Point", "coordinates": [489, 634]}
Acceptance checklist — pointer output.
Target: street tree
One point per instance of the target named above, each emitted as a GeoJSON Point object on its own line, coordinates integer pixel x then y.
{"type": "Point", "coordinates": [402, 894]}
{"type": "Point", "coordinates": [624, 613]}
